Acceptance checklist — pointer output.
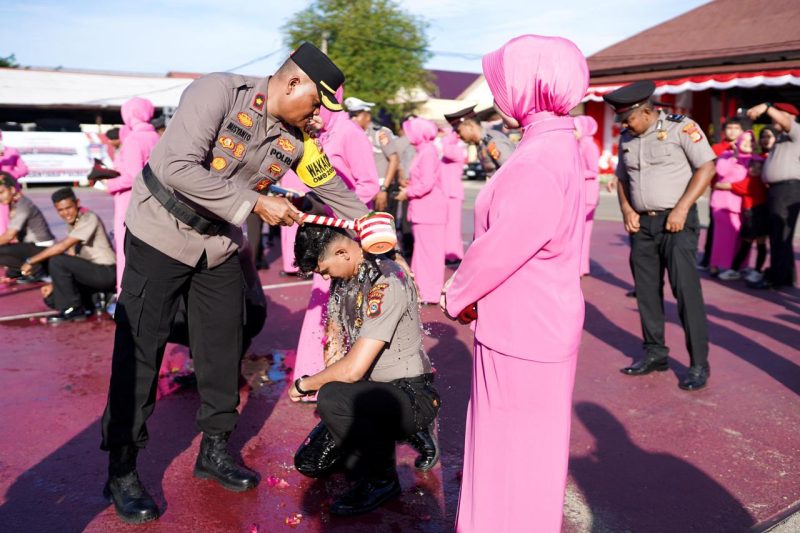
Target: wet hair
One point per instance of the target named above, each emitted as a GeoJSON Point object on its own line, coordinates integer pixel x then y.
{"type": "Point", "coordinates": [64, 193]}
{"type": "Point", "coordinates": [112, 134]}
{"type": "Point", "coordinates": [7, 180]}
{"type": "Point", "coordinates": [734, 121]}
{"type": "Point", "coordinates": [312, 243]}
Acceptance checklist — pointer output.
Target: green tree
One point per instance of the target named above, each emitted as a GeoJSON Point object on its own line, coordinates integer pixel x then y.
{"type": "Point", "coordinates": [380, 48]}
{"type": "Point", "coordinates": [9, 62]}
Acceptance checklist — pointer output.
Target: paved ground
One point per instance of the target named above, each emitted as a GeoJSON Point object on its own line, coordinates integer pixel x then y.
{"type": "Point", "coordinates": [645, 456]}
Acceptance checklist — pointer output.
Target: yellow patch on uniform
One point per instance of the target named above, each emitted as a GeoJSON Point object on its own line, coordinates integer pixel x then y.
{"type": "Point", "coordinates": [286, 145]}
{"type": "Point", "coordinates": [258, 101]}
{"type": "Point", "coordinates": [219, 163]}
{"type": "Point", "coordinates": [359, 299]}
{"type": "Point", "coordinates": [263, 184]}
{"type": "Point", "coordinates": [244, 119]}
{"type": "Point", "coordinates": [493, 151]}
{"type": "Point", "coordinates": [314, 168]}
{"type": "Point", "coordinates": [238, 151]}
{"type": "Point", "coordinates": [275, 169]}
{"type": "Point", "coordinates": [226, 142]}
{"type": "Point", "coordinates": [693, 132]}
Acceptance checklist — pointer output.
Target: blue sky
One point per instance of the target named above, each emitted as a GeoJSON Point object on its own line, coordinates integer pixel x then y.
{"type": "Point", "coordinates": [203, 35]}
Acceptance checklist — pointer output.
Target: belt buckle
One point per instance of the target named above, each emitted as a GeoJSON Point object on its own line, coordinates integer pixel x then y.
{"type": "Point", "coordinates": [651, 213]}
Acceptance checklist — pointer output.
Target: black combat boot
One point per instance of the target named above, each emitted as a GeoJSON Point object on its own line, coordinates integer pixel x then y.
{"type": "Point", "coordinates": [216, 463]}
{"type": "Point", "coordinates": [368, 494]}
{"type": "Point", "coordinates": [427, 445]}
{"type": "Point", "coordinates": [131, 500]}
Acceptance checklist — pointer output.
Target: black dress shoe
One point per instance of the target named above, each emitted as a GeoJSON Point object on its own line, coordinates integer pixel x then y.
{"type": "Point", "coordinates": [72, 314]}
{"type": "Point", "coordinates": [427, 445]}
{"type": "Point", "coordinates": [131, 501]}
{"type": "Point", "coordinates": [214, 462]}
{"type": "Point", "coordinates": [696, 378]}
{"type": "Point", "coordinates": [760, 284]}
{"type": "Point", "coordinates": [318, 456]}
{"type": "Point", "coordinates": [367, 495]}
{"type": "Point", "coordinates": [645, 366]}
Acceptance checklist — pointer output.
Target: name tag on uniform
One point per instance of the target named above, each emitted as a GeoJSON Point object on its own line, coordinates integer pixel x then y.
{"type": "Point", "coordinates": [315, 168]}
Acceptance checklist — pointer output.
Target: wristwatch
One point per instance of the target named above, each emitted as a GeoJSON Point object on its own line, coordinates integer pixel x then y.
{"type": "Point", "coordinates": [768, 104]}
{"type": "Point", "coordinates": [297, 386]}
{"type": "Point", "coordinates": [383, 188]}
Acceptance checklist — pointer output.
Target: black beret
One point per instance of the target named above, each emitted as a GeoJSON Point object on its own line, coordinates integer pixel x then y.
{"type": "Point", "coordinates": [322, 71]}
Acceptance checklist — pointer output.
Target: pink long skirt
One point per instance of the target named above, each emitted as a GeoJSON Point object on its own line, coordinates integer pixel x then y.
{"type": "Point", "coordinates": [726, 237]}
{"type": "Point", "coordinates": [516, 444]}
{"type": "Point", "coordinates": [121, 202]}
{"type": "Point", "coordinates": [454, 242]}
{"type": "Point", "coordinates": [288, 234]}
{"type": "Point", "coordinates": [587, 239]}
{"type": "Point", "coordinates": [312, 335]}
{"type": "Point", "coordinates": [4, 218]}
{"type": "Point", "coordinates": [427, 263]}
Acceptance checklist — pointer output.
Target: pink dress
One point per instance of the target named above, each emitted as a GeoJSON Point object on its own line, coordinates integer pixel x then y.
{"type": "Point", "coordinates": [11, 162]}
{"type": "Point", "coordinates": [290, 180]}
{"type": "Point", "coordinates": [427, 209]}
{"type": "Point", "coordinates": [590, 155]}
{"type": "Point", "coordinates": [350, 153]}
{"type": "Point", "coordinates": [138, 141]}
{"type": "Point", "coordinates": [523, 270]}
{"type": "Point", "coordinates": [726, 208]}
{"type": "Point", "coordinates": [454, 156]}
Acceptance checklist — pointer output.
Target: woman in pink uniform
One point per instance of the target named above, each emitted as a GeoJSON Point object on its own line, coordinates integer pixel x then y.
{"type": "Point", "coordinates": [523, 270]}
{"type": "Point", "coordinates": [585, 128]}
{"type": "Point", "coordinates": [11, 162]}
{"type": "Point", "coordinates": [427, 209]}
{"type": "Point", "coordinates": [726, 207]}
{"type": "Point", "coordinates": [350, 153]}
{"type": "Point", "coordinates": [454, 155]}
{"type": "Point", "coordinates": [138, 138]}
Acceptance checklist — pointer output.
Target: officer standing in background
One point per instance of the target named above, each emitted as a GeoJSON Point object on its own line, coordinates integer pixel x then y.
{"type": "Point", "coordinates": [231, 137]}
{"type": "Point", "coordinates": [384, 149]}
{"type": "Point", "coordinates": [493, 146]}
{"type": "Point", "coordinates": [665, 165]}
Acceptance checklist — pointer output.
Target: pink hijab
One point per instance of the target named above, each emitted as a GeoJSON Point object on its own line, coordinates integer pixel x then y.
{"type": "Point", "coordinates": [420, 130]}
{"type": "Point", "coordinates": [136, 115]}
{"type": "Point", "coordinates": [330, 118]}
{"type": "Point", "coordinates": [533, 77]}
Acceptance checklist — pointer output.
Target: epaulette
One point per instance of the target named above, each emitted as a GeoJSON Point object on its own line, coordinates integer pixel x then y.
{"type": "Point", "coordinates": [676, 117]}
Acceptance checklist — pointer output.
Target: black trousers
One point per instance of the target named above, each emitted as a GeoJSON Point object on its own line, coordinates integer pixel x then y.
{"type": "Point", "coordinates": [783, 202]}
{"type": "Point", "coordinates": [366, 418]}
{"type": "Point", "coordinates": [254, 227]}
{"type": "Point", "coordinates": [152, 285]}
{"type": "Point", "coordinates": [12, 256]}
{"type": "Point", "coordinates": [73, 276]}
{"type": "Point", "coordinates": [654, 250]}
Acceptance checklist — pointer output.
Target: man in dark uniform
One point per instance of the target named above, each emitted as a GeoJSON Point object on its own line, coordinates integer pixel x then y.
{"type": "Point", "coordinates": [665, 164]}
{"type": "Point", "coordinates": [494, 148]}
{"type": "Point", "coordinates": [231, 137]}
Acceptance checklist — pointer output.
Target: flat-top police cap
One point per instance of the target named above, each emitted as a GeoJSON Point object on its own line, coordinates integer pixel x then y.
{"type": "Point", "coordinates": [322, 71]}
{"type": "Point", "coordinates": [629, 97]}
{"type": "Point", "coordinates": [460, 116]}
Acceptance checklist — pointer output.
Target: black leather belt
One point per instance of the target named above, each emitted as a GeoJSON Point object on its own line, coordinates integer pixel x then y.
{"type": "Point", "coordinates": [178, 209]}
{"type": "Point", "coordinates": [654, 213]}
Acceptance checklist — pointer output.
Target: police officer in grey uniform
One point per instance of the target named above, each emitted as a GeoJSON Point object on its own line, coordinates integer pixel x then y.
{"type": "Point", "coordinates": [494, 148]}
{"type": "Point", "coordinates": [665, 164]}
{"type": "Point", "coordinates": [377, 385]}
{"type": "Point", "coordinates": [231, 137]}
{"type": "Point", "coordinates": [384, 149]}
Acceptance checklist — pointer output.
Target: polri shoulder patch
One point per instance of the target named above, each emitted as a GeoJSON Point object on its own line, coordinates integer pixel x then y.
{"type": "Point", "coordinates": [676, 117]}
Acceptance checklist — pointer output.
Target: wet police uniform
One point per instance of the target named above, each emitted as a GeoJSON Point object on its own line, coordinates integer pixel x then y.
{"type": "Point", "coordinates": [186, 209]}
{"type": "Point", "coordinates": [494, 147]}
{"type": "Point", "coordinates": [656, 168]}
{"type": "Point", "coordinates": [396, 398]}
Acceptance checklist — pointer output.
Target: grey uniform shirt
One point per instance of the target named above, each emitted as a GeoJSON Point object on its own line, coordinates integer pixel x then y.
{"type": "Point", "coordinates": [383, 146]}
{"type": "Point", "coordinates": [495, 147]}
{"type": "Point", "coordinates": [406, 152]}
{"type": "Point", "coordinates": [783, 163]}
{"type": "Point", "coordinates": [29, 223]}
{"type": "Point", "coordinates": [94, 246]}
{"type": "Point", "coordinates": [386, 310]}
{"type": "Point", "coordinates": [657, 165]}
{"type": "Point", "coordinates": [221, 146]}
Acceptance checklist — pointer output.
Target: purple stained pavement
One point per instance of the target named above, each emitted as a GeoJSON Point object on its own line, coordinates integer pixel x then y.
{"type": "Point", "coordinates": [645, 456]}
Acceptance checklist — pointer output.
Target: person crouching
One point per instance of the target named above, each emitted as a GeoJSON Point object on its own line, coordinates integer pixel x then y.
{"type": "Point", "coordinates": [377, 387]}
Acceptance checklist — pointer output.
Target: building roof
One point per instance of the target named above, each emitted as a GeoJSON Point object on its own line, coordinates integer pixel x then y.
{"type": "Point", "coordinates": [719, 32]}
{"type": "Point", "coordinates": [449, 85]}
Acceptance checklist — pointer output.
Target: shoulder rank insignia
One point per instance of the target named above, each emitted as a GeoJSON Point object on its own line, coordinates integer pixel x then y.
{"type": "Point", "coordinates": [244, 119]}
{"type": "Point", "coordinates": [258, 102]}
{"type": "Point", "coordinates": [676, 117]}
{"type": "Point", "coordinates": [219, 163]}
{"type": "Point", "coordinates": [693, 132]}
